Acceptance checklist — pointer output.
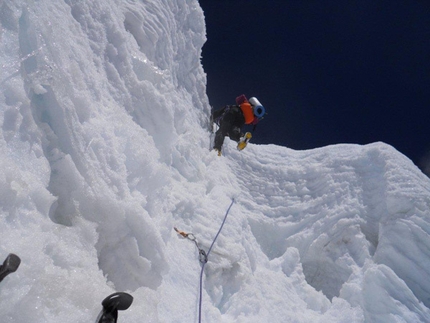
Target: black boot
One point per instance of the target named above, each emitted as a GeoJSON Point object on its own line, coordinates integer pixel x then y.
{"type": "Point", "coordinates": [111, 304]}
{"type": "Point", "coordinates": [10, 265]}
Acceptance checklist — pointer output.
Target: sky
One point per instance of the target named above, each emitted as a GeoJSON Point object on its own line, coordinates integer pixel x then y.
{"type": "Point", "coordinates": [327, 72]}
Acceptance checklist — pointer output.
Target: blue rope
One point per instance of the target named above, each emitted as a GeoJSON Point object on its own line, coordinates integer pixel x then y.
{"type": "Point", "coordinates": [206, 260]}
{"type": "Point", "coordinates": [201, 293]}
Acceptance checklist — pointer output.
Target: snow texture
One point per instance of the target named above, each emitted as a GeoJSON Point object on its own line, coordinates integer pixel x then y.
{"type": "Point", "coordinates": [104, 150]}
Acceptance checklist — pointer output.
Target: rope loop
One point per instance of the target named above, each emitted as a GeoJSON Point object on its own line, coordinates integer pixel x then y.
{"type": "Point", "coordinates": [191, 237]}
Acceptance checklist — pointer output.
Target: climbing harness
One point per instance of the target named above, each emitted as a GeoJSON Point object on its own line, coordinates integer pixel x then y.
{"type": "Point", "coordinates": [203, 256]}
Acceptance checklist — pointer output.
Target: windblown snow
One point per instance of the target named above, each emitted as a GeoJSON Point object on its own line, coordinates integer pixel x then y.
{"type": "Point", "coordinates": [104, 149]}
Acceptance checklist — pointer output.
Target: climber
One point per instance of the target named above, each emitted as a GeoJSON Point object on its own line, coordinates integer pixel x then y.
{"type": "Point", "coordinates": [232, 118]}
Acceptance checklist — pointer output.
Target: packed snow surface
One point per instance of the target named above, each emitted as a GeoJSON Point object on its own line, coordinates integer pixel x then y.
{"type": "Point", "coordinates": [104, 149]}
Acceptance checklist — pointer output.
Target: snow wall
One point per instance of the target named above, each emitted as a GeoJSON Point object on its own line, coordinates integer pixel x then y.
{"type": "Point", "coordinates": [104, 150]}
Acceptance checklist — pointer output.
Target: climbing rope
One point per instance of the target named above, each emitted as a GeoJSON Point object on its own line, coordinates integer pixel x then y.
{"type": "Point", "coordinates": [203, 256]}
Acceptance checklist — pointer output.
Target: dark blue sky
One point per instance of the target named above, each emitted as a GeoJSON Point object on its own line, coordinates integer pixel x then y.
{"type": "Point", "coordinates": [327, 72]}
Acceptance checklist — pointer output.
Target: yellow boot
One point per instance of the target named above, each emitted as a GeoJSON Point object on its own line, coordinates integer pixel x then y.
{"type": "Point", "coordinates": [218, 151]}
{"type": "Point", "coordinates": [244, 141]}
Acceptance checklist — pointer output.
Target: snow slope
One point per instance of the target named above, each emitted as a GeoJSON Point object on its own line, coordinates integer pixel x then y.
{"type": "Point", "coordinates": [104, 150]}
